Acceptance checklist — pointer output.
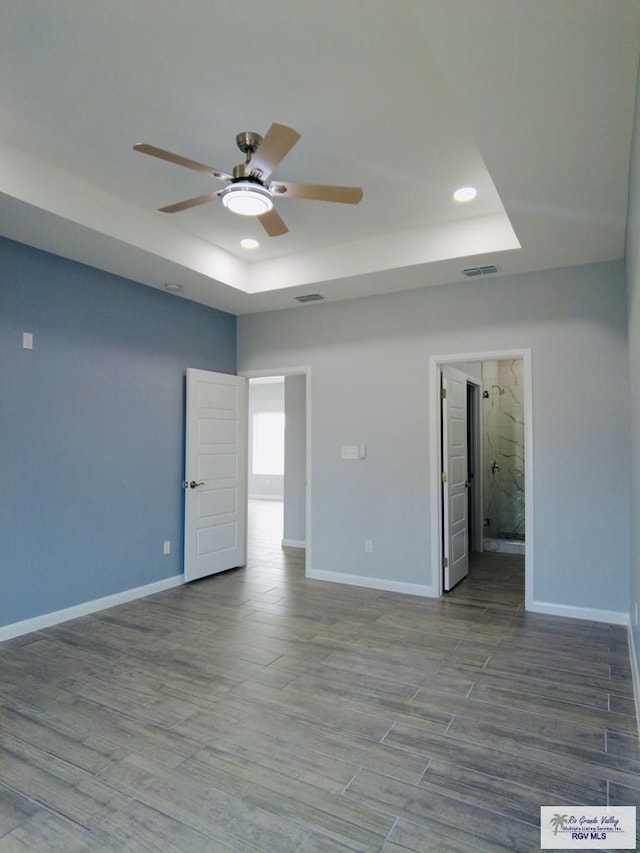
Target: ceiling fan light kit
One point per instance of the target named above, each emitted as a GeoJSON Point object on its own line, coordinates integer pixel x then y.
{"type": "Point", "coordinates": [250, 193]}
{"type": "Point", "coordinates": [248, 198]}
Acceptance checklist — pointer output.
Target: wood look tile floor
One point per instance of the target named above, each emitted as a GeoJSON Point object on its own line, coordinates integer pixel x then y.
{"type": "Point", "coordinates": [260, 711]}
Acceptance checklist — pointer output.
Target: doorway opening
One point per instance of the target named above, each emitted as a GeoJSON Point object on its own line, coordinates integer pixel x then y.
{"type": "Point", "coordinates": [266, 448]}
{"type": "Point", "coordinates": [266, 463]}
{"type": "Point", "coordinates": [278, 510]}
{"type": "Point", "coordinates": [481, 453]}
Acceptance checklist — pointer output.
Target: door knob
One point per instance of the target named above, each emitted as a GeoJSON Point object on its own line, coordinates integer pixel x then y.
{"type": "Point", "coordinates": [194, 485]}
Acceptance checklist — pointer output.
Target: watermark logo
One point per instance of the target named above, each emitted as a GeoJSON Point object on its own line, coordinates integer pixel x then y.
{"type": "Point", "coordinates": [587, 827]}
{"type": "Point", "coordinates": [558, 821]}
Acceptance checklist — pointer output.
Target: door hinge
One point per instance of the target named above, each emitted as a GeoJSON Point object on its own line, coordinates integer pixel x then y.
{"type": "Point", "coordinates": [443, 393]}
{"type": "Point", "coordinates": [443, 477]}
{"type": "Point", "coordinates": [445, 563]}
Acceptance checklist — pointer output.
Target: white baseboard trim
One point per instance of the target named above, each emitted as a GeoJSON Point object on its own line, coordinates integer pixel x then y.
{"type": "Point", "coordinates": [614, 617]}
{"type": "Point", "coordinates": [294, 543]}
{"type": "Point", "coordinates": [635, 675]}
{"type": "Point", "coordinates": [26, 626]}
{"type": "Point", "coordinates": [373, 583]}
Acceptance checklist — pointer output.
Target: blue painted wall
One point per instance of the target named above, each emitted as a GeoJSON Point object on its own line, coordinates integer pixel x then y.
{"type": "Point", "coordinates": [92, 428]}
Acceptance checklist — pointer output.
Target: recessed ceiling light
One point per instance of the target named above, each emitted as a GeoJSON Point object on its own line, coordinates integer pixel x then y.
{"type": "Point", "coordinates": [249, 243]}
{"type": "Point", "coordinates": [173, 287]}
{"type": "Point", "coordinates": [465, 194]}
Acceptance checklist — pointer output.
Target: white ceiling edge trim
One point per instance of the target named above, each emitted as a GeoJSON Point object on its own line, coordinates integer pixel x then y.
{"type": "Point", "coordinates": [44, 186]}
{"type": "Point", "coordinates": [475, 236]}
{"type": "Point", "coordinates": [32, 226]}
{"type": "Point", "coordinates": [47, 188]}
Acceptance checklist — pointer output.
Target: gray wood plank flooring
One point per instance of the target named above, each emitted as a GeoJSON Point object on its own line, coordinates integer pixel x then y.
{"type": "Point", "coordinates": [260, 711]}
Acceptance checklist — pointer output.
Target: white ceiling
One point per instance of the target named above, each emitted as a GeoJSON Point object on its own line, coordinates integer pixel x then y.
{"type": "Point", "coordinates": [531, 101]}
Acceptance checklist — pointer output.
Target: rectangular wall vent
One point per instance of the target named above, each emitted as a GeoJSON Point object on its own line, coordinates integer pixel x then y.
{"type": "Point", "coordinates": [474, 271]}
{"type": "Point", "coordinates": [309, 297]}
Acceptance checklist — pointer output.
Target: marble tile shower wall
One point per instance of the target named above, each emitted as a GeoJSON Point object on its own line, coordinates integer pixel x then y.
{"type": "Point", "coordinates": [503, 423]}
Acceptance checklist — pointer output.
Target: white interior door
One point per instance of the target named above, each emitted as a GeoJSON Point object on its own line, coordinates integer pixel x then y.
{"type": "Point", "coordinates": [215, 514]}
{"type": "Point", "coordinates": [455, 484]}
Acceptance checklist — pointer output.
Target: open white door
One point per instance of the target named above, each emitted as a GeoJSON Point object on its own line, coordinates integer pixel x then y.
{"type": "Point", "coordinates": [215, 513]}
{"type": "Point", "coordinates": [454, 479]}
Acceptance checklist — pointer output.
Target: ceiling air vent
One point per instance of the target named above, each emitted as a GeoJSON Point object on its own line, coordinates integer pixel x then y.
{"type": "Point", "coordinates": [474, 271]}
{"type": "Point", "coordinates": [309, 297]}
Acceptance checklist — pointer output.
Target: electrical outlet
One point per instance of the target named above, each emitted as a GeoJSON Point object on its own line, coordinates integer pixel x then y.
{"type": "Point", "coordinates": [166, 546]}
{"type": "Point", "coordinates": [368, 545]}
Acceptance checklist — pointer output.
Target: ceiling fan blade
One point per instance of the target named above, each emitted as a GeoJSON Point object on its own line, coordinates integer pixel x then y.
{"type": "Point", "coordinates": [279, 140]}
{"type": "Point", "coordinates": [317, 192]}
{"type": "Point", "coordinates": [143, 148]}
{"type": "Point", "coordinates": [189, 202]}
{"type": "Point", "coordinates": [273, 223]}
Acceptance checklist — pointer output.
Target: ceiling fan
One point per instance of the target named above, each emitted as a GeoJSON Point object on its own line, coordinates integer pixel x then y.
{"type": "Point", "coordinates": [249, 191]}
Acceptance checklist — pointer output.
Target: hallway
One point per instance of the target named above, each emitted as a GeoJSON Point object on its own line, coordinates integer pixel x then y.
{"type": "Point", "coordinates": [264, 539]}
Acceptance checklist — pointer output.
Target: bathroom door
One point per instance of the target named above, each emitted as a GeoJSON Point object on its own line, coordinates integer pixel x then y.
{"type": "Point", "coordinates": [454, 477]}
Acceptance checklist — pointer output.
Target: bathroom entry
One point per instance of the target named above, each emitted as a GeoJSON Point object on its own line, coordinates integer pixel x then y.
{"type": "Point", "coordinates": [482, 463]}
{"type": "Point", "coordinates": [472, 364]}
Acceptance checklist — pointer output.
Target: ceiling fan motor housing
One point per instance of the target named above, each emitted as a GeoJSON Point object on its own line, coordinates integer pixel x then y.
{"type": "Point", "coordinates": [244, 172]}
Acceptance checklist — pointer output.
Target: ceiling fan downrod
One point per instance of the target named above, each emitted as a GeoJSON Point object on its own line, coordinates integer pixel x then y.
{"type": "Point", "coordinates": [248, 142]}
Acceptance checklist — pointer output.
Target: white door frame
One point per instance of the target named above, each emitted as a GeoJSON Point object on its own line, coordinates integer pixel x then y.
{"type": "Point", "coordinates": [478, 480]}
{"type": "Point", "coordinates": [306, 372]}
{"type": "Point", "coordinates": [435, 364]}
